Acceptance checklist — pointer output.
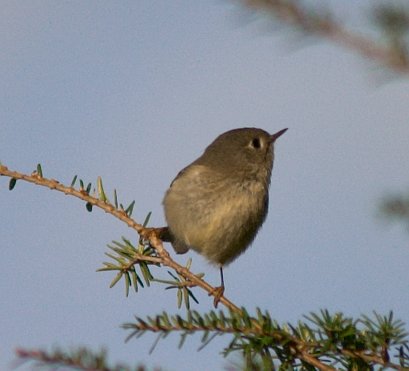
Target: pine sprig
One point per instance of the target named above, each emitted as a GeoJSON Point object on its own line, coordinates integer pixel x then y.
{"type": "Point", "coordinates": [79, 359]}
{"type": "Point", "coordinates": [183, 286]}
{"type": "Point", "coordinates": [333, 339]}
{"type": "Point", "coordinates": [126, 257]}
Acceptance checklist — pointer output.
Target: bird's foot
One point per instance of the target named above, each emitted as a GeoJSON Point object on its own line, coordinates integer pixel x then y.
{"type": "Point", "coordinates": [148, 233]}
{"type": "Point", "coordinates": [217, 292]}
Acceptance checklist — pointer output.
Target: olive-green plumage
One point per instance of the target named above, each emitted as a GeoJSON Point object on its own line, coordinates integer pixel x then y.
{"type": "Point", "coordinates": [217, 204]}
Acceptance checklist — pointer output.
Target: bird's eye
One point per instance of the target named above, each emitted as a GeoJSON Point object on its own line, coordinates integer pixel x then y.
{"type": "Point", "coordinates": [255, 143]}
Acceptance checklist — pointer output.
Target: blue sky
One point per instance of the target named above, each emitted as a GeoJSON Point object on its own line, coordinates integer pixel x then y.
{"type": "Point", "coordinates": [133, 92]}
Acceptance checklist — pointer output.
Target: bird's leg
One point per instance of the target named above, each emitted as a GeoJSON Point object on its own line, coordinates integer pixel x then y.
{"type": "Point", "coordinates": [218, 292]}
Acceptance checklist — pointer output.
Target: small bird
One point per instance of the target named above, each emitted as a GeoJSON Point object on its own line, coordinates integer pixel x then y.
{"type": "Point", "coordinates": [216, 205]}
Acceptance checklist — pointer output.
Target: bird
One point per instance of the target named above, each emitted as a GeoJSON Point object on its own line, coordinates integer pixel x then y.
{"type": "Point", "coordinates": [217, 204]}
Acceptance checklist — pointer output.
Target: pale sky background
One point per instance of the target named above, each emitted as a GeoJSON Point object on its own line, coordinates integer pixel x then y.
{"type": "Point", "coordinates": [134, 91]}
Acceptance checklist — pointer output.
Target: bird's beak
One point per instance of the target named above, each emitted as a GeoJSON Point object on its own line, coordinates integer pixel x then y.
{"type": "Point", "coordinates": [274, 137]}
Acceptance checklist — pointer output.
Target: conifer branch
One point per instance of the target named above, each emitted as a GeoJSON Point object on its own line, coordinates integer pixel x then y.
{"type": "Point", "coordinates": [334, 339]}
{"type": "Point", "coordinates": [153, 235]}
{"type": "Point", "coordinates": [329, 341]}
{"type": "Point", "coordinates": [393, 22]}
{"type": "Point", "coordinates": [78, 359]}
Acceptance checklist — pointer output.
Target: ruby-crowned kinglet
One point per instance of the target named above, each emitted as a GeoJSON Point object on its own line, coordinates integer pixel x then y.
{"type": "Point", "coordinates": [217, 204]}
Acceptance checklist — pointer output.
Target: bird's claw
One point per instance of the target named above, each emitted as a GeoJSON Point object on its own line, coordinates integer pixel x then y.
{"type": "Point", "coordinates": [217, 292]}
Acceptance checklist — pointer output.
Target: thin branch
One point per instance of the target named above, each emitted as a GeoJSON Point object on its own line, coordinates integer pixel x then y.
{"type": "Point", "coordinates": [151, 234]}
{"type": "Point", "coordinates": [146, 258]}
{"type": "Point", "coordinates": [374, 359]}
{"type": "Point", "coordinates": [78, 359]}
{"type": "Point", "coordinates": [81, 194]}
{"type": "Point", "coordinates": [292, 13]}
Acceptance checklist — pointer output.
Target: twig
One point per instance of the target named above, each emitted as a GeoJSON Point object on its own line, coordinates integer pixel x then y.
{"type": "Point", "coordinates": [292, 13]}
{"type": "Point", "coordinates": [149, 233]}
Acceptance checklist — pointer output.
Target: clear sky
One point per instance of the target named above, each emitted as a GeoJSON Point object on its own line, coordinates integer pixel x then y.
{"type": "Point", "coordinates": [134, 91]}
